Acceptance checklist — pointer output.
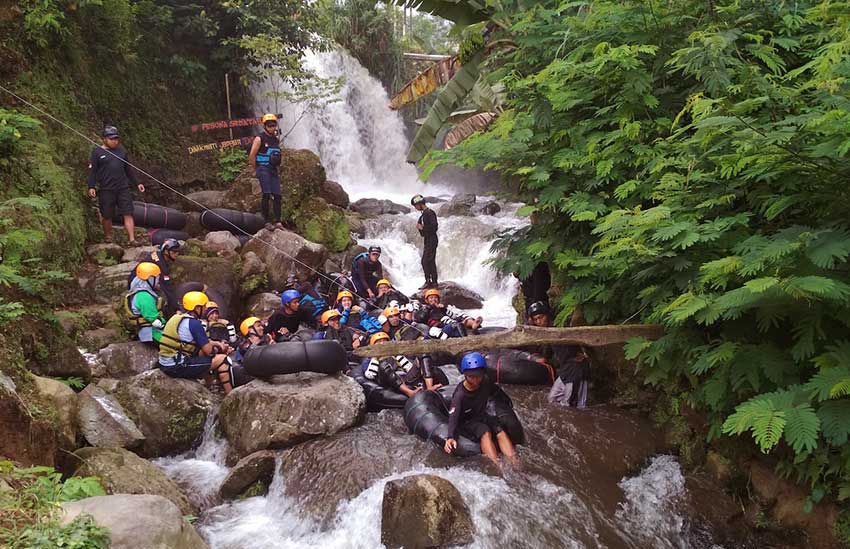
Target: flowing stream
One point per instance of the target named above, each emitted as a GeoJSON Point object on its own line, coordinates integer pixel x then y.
{"type": "Point", "coordinates": [590, 478]}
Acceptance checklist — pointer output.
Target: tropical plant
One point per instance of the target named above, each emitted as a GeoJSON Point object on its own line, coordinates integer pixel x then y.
{"type": "Point", "coordinates": [686, 163]}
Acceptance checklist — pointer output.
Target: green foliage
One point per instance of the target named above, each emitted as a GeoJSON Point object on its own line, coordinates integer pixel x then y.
{"type": "Point", "coordinates": [76, 383]}
{"type": "Point", "coordinates": [30, 509]}
{"type": "Point", "coordinates": [13, 139]}
{"type": "Point", "coordinates": [686, 164]}
{"type": "Point", "coordinates": [231, 162]}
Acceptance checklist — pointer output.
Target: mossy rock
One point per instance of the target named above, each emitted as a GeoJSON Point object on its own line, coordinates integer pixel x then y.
{"type": "Point", "coordinates": [320, 222]}
{"type": "Point", "coordinates": [301, 178]}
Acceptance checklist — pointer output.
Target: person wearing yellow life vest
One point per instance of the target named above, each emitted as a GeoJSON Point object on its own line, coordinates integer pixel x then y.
{"type": "Point", "coordinates": [186, 352]}
{"type": "Point", "coordinates": [143, 305]}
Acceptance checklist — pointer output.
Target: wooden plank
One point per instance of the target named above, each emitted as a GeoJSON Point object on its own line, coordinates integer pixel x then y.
{"type": "Point", "coordinates": [521, 336]}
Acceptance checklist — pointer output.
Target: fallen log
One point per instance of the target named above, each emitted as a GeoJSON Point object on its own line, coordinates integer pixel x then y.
{"type": "Point", "coordinates": [520, 336]}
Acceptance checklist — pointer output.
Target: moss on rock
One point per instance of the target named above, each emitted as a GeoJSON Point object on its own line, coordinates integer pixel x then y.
{"type": "Point", "coordinates": [320, 222]}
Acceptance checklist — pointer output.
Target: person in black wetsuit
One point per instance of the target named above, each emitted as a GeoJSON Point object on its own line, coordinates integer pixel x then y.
{"type": "Point", "coordinates": [535, 287]}
{"type": "Point", "coordinates": [163, 257]}
{"type": "Point", "coordinates": [283, 324]}
{"type": "Point", "coordinates": [264, 159]}
{"type": "Point", "coordinates": [110, 176]}
{"type": "Point", "coordinates": [468, 412]}
{"type": "Point", "coordinates": [399, 373]}
{"type": "Point", "coordinates": [427, 226]}
{"type": "Point", "coordinates": [366, 271]}
{"type": "Point", "coordinates": [387, 295]}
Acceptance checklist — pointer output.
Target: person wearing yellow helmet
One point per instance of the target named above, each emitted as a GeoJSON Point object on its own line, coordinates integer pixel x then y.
{"type": "Point", "coordinates": [427, 226]}
{"type": "Point", "coordinates": [332, 329]}
{"type": "Point", "coordinates": [445, 320]}
{"type": "Point", "coordinates": [388, 295]}
{"type": "Point", "coordinates": [143, 305]}
{"type": "Point", "coordinates": [264, 158]}
{"type": "Point", "coordinates": [186, 352]}
{"type": "Point", "coordinates": [397, 373]}
{"type": "Point", "coordinates": [350, 314]}
{"type": "Point", "coordinates": [218, 328]}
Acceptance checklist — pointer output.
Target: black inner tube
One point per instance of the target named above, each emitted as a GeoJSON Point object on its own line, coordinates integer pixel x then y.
{"type": "Point", "coordinates": [158, 236]}
{"type": "Point", "coordinates": [221, 219]}
{"type": "Point", "coordinates": [320, 356]}
{"type": "Point", "coordinates": [154, 216]}
{"type": "Point", "coordinates": [380, 398]}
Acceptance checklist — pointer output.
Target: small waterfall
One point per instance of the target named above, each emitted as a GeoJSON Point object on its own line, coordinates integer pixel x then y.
{"type": "Point", "coordinates": [362, 145]}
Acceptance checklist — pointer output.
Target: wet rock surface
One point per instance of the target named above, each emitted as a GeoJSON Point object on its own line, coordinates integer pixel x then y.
{"type": "Point", "coordinates": [424, 511]}
{"type": "Point", "coordinates": [286, 410]}
{"type": "Point", "coordinates": [460, 204]}
{"type": "Point", "coordinates": [333, 193]}
{"type": "Point", "coordinates": [221, 242]}
{"type": "Point", "coordinates": [454, 294]}
{"type": "Point", "coordinates": [250, 470]}
{"type": "Point", "coordinates": [376, 206]}
{"type": "Point", "coordinates": [262, 305]}
{"type": "Point", "coordinates": [136, 521]}
{"type": "Point", "coordinates": [120, 360]}
{"type": "Point", "coordinates": [278, 257]}
{"type": "Point", "coordinates": [104, 422]}
{"type": "Point", "coordinates": [123, 472]}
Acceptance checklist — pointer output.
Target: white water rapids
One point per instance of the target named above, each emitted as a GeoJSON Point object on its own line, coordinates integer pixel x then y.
{"type": "Point", "coordinates": [362, 145]}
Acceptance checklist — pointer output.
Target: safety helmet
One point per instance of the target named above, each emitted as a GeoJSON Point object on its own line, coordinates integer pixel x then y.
{"type": "Point", "coordinates": [145, 270]}
{"type": "Point", "coordinates": [537, 308]}
{"type": "Point", "coordinates": [379, 336]}
{"type": "Point", "coordinates": [170, 245]}
{"type": "Point", "coordinates": [211, 307]}
{"type": "Point", "coordinates": [432, 291]}
{"type": "Point", "coordinates": [194, 299]}
{"type": "Point", "coordinates": [417, 199]}
{"type": "Point", "coordinates": [344, 293]}
{"type": "Point", "coordinates": [289, 295]}
{"type": "Point", "coordinates": [390, 311]}
{"type": "Point", "coordinates": [246, 325]}
{"type": "Point", "coordinates": [384, 281]}
{"type": "Point", "coordinates": [329, 314]}
{"type": "Point", "coordinates": [472, 361]}
{"type": "Point", "coordinates": [374, 249]}
{"type": "Point", "coordinates": [110, 131]}
{"type": "Point", "coordinates": [269, 118]}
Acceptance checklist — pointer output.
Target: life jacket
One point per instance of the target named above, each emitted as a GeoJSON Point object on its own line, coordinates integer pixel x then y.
{"type": "Point", "coordinates": [319, 305]}
{"type": "Point", "coordinates": [220, 330]}
{"type": "Point", "coordinates": [170, 344]}
{"type": "Point", "coordinates": [138, 320]}
{"type": "Point", "coordinates": [269, 153]}
{"type": "Point", "coordinates": [370, 324]}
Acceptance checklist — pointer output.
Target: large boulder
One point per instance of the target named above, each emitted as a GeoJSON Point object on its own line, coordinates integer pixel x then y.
{"type": "Point", "coordinates": [424, 511]}
{"type": "Point", "coordinates": [244, 193]}
{"type": "Point", "coordinates": [128, 359]}
{"type": "Point", "coordinates": [205, 200]}
{"type": "Point", "coordinates": [56, 357]}
{"type": "Point", "coordinates": [287, 253]}
{"type": "Point", "coordinates": [105, 253]}
{"type": "Point", "coordinates": [355, 223]}
{"type": "Point", "coordinates": [134, 521]}
{"type": "Point", "coordinates": [104, 422]}
{"type": "Point", "coordinates": [256, 470]}
{"type": "Point", "coordinates": [252, 265]}
{"type": "Point", "coordinates": [170, 412]}
{"type": "Point", "coordinates": [123, 472]}
{"type": "Point", "coordinates": [262, 305]}
{"type": "Point", "coordinates": [375, 206]}
{"type": "Point", "coordinates": [333, 193]}
{"type": "Point", "coordinates": [64, 400]}
{"type": "Point", "coordinates": [486, 208]}
{"type": "Point", "coordinates": [97, 339]}
{"type": "Point", "coordinates": [110, 282]}
{"type": "Point", "coordinates": [221, 242]}
{"type": "Point", "coordinates": [26, 439]}
{"type": "Point", "coordinates": [286, 410]}
{"type": "Point", "coordinates": [320, 222]}
{"type": "Point", "coordinates": [214, 272]}
{"type": "Point", "coordinates": [452, 293]}
{"type": "Point", "coordinates": [460, 204]}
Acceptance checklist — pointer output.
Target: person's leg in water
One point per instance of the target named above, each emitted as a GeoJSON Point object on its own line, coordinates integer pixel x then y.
{"type": "Point", "coordinates": [506, 446]}
{"type": "Point", "coordinates": [488, 448]}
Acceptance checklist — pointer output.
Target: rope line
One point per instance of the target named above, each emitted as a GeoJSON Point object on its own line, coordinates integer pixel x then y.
{"type": "Point", "coordinates": [185, 197]}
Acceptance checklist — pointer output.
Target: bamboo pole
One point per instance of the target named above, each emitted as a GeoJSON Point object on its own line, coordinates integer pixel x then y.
{"type": "Point", "coordinates": [520, 336]}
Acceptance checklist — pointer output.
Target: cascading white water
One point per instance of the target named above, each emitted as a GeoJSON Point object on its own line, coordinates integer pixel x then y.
{"type": "Point", "coordinates": [362, 145]}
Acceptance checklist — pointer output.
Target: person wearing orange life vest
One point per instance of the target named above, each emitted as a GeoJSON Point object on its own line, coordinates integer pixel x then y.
{"type": "Point", "coordinates": [265, 158]}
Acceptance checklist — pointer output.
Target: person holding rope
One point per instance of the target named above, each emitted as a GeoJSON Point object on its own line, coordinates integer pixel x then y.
{"type": "Point", "coordinates": [264, 159]}
{"type": "Point", "coordinates": [110, 176]}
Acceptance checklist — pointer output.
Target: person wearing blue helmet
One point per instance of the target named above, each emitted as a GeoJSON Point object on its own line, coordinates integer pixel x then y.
{"type": "Point", "coordinates": [288, 319]}
{"type": "Point", "coordinates": [468, 412]}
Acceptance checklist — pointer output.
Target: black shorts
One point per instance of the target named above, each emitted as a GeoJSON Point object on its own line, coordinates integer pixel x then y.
{"type": "Point", "coordinates": [476, 428]}
{"type": "Point", "coordinates": [194, 367]}
{"type": "Point", "coordinates": [113, 202]}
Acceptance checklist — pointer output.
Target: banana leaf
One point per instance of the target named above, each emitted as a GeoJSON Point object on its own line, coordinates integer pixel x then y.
{"type": "Point", "coordinates": [426, 82]}
{"type": "Point", "coordinates": [446, 102]}
{"type": "Point", "coordinates": [462, 12]}
{"type": "Point", "coordinates": [475, 123]}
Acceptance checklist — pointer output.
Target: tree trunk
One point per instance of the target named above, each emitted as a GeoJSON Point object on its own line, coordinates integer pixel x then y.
{"type": "Point", "coordinates": [520, 336]}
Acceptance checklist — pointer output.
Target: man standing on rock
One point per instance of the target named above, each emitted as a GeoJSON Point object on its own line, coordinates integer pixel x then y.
{"type": "Point", "coordinates": [111, 172]}
{"type": "Point", "coordinates": [264, 159]}
{"type": "Point", "coordinates": [427, 226]}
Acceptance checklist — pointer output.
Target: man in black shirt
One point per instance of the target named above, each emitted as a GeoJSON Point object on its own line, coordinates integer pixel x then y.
{"type": "Point", "coordinates": [110, 176]}
{"type": "Point", "coordinates": [285, 322]}
{"type": "Point", "coordinates": [427, 226]}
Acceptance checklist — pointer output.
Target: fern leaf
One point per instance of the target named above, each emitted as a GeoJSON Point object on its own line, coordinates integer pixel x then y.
{"type": "Point", "coordinates": [829, 247]}
{"type": "Point", "coordinates": [801, 428]}
{"type": "Point", "coordinates": [835, 421]}
{"type": "Point", "coordinates": [822, 384]}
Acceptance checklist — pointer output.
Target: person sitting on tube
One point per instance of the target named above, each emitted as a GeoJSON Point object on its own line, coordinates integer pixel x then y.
{"type": "Point", "coordinates": [398, 373]}
{"type": "Point", "coordinates": [468, 412]}
{"type": "Point", "coordinates": [332, 329]}
{"type": "Point", "coordinates": [350, 314]}
{"type": "Point", "coordinates": [388, 294]}
{"type": "Point", "coordinates": [445, 321]}
{"type": "Point", "coordinates": [287, 320]}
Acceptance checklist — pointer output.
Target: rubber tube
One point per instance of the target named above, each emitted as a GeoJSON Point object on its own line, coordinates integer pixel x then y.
{"type": "Point", "coordinates": [154, 216]}
{"type": "Point", "coordinates": [217, 220]}
{"type": "Point", "coordinates": [426, 415]}
{"type": "Point", "coordinates": [380, 398]}
{"type": "Point", "coordinates": [158, 236]}
{"type": "Point", "coordinates": [516, 367]}
{"type": "Point", "coordinates": [320, 356]}
{"type": "Point", "coordinates": [492, 330]}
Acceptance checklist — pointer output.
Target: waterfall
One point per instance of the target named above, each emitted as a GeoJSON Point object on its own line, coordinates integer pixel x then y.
{"type": "Point", "coordinates": [362, 145]}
